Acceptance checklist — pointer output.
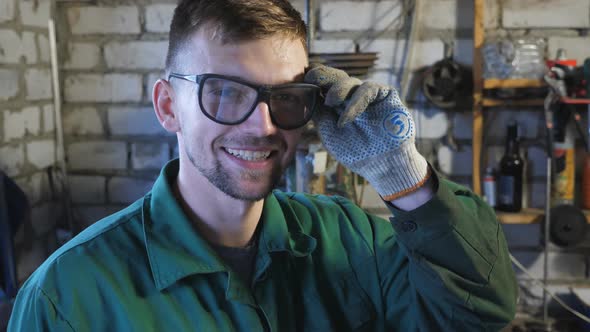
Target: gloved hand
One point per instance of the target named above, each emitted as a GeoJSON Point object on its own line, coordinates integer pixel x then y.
{"type": "Point", "coordinates": [366, 127]}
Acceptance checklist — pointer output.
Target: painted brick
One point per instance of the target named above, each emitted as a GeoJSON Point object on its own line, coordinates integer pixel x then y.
{"type": "Point", "coordinates": [537, 194]}
{"type": "Point", "coordinates": [12, 159]}
{"type": "Point", "coordinates": [333, 46]}
{"type": "Point", "coordinates": [103, 88]}
{"type": "Point", "coordinates": [149, 156]}
{"type": "Point", "coordinates": [522, 235]}
{"type": "Point", "coordinates": [299, 5]}
{"type": "Point", "coordinates": [431, 123]}
{"type": "Point", "coordinates": [530, 123]}
{"type": "Point", "coordinates": [82, 121]}
{"type": "Point", "coordinates": [29, 260]}
{"type": "Point", "coordinates": [561, 265]}
{"type": "Point", "coordinates": [10, 46]}
{"type": "Point", "coordinates": [35, 12]}
{"type": "Point", "coordinates": [44, 51]}
{"type": "Point", "coordinates": [546, 13]}
{"type": "Point", "coordinates": [43, 218]}
{"type": "Point", "coordinates": [127, 190]}
{"type": "Point", "coordinates": [358, 16]}
{"type": "Point", "coordinates": [537, 161]}
{"type": "Point", "coordinates": [158, 17]}
{"type": "Point", "coordinates": [97, 155]}
{"type": "Point", "coordinates": [14, 46]}
{"type": "Point", "coordinates": [463, 125]}
{"type": "Point", "coordinates": [29, 47]}
{"type": "Point", "coordinates": [463, 51]}
{"type": "Point", "coordinates": [6, 10]}
{"type": "Point", "coordinates": [576, 47]}
{"type": "Point", "coordinates": [134, 121]}
{"type": "Point", "coordinates": [444, 14]}
{"type": "Point", "coordinates": [22, 123]}
{"type": "Point", "coordinates": [104, 20]}
{"type": "Point", "coordinates": [174, 152]}
{"type": "Point", "coordinates": [41, 154]}
{"type": "Point", "coordinates": [136, 55]}
{"type": "Point", "coordinates": [38, 185]}
{"type": "Point", "coordinates": [38, 84]}
{"type": "Point", "coordinates": [9, 84]}
{"type": "Point", "coordinates": [494, 154]}
{"type": "Point", "coordinates": [87, 189]}
{"type": "Point", "coordinates": [91, 214]}
{"type": "Point", "coordinates": [151, 81]}
{"type": "Point", "coordinates": [385, 77]}
{"type": "Point", "coordinates": [457, 163]}
{"type": "Point", "coordinates": [48, 119]}
{"type": "Point", "coordinates": [391, 52]}
{"type": "Point", "coordinates": [82, 56]}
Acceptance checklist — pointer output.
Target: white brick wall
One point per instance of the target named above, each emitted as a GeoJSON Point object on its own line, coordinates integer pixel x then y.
{"type": "Point", "coordinates": [354, 16]}
{"type": "Point", "coordinates": [12, 159]}
{"type": "Point", "coordinates": [25, 122]}
{"type": "Point", "coordinates": [127, 190]}
{"type": "Point", "coordinates": [104, 20]}
{"type": "Point", "coordinates": [11, 46]}
{"type": "Point", "coordinates": [48, 119]}
{"type": "Point", "coordinates": [29, 47]}
{"type": "Point", "coordinates": [82, 56]}
{"type": "Point", "coordinates": [561, 265]}
{"type": "Point", "coordinates": [463, 125]}
{"type": "Point", "coordinates": [530, 122]}
{"type": "Point", "coordinates": [442, 14]}
{"type": "Point", "coordinates": [6, 10]}
{"type": "Point", "coordinates": [136, 55]}
{"type": "Point", "coordinates": [38, 84]}
{"type": "Point", "coordinates": [97, 155]}
{"type": "Point", "coordinates": [43, 217]}
{"type": "Point", "coordinates": [82, 121]}
{"type": "Point", "coordinates": [158, 17]}
{"type": "Point", "coordinates": [9, 82]}
{"type": "Point", "coordinates": [546, 14]}
{"type": "Point", "coordinates": [391, 52]}
{"type": "Point", "coordinates": [35, 13]}
{"type": "Point", "coordinates": [149, 156]}
{"type": "Point", "coordinates": [458, 163]}
{"type": "Point", "coordinates": [103, 88]}
{"type": "Point", "coordinates": [134, 121]}
{"type": "Point", "coordinates": [87, 189]}
{"type": "Point", "coordinates": [44, 52]}
{"type": "Point", "coordinates": [431, 123]}
{"type": "Point", "coordinates": [41, 154]}
{"type": "Point", "coordinates": [522, 235]}
{"type": "Point", "coordinates": [576, 47]}
{"type": "Point", "coordinates": [333, 46]}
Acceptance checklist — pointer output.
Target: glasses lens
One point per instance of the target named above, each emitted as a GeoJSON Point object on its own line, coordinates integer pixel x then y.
{"type": "Point", "coordinates": [293, 106]}
{"type": "Point", "coordinates": [226, 101]}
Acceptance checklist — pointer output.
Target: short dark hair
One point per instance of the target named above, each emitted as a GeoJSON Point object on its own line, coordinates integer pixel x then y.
{"type": "Point", "coordinates": [233, 20]}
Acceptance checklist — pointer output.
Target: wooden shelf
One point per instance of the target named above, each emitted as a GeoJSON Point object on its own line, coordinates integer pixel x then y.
{"type": "Point", "coordinates": [495, 83]}
{"type": "Point", "coordinates": [492, 102]}
{"type": "Point", "coordinates": [527, 216]}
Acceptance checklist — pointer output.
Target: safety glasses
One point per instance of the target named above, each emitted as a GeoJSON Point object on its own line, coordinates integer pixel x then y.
{"type": "Point", "coordinates": [230, 101]}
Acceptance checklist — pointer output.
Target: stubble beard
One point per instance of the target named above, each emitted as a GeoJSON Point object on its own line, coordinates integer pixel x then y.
{"type": "Point", "coordinates": [223, 180]}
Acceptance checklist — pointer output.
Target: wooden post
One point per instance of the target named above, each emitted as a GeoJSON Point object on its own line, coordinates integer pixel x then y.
{"type": "Point", "coordinates": [478, 40]}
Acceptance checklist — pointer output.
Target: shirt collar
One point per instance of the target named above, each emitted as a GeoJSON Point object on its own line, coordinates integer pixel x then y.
{"type": "Point", "coordinates": [175, 249]}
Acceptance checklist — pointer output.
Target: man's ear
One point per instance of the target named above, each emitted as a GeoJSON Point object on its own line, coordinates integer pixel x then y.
{"type": "Point", "coordinates": [163, 99]}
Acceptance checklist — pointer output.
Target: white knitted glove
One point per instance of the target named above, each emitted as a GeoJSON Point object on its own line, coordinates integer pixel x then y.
{"type": "Point", "coordinates": [366, 127]}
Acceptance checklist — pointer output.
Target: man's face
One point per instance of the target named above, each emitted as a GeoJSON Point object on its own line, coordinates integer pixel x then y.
{"type": "Point", "coordinates": [244, 161]}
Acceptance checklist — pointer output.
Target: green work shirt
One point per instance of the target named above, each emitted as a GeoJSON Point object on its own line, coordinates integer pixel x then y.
{"type": "Point", "coordinates": [323, 264]}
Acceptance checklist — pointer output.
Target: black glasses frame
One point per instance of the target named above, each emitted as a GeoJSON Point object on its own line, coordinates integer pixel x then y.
{"type": "Point", "coordinates": [263, 94]}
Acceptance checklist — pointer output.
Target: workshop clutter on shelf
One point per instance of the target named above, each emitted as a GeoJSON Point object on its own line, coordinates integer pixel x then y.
{"type": "Point", "coordinates": [517, 58]}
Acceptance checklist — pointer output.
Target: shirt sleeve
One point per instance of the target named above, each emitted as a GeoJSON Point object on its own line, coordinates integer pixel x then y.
{"type": "Point", "coordinates": [34, 311]}
{"type": "Point", "coordinates": [446, 267]}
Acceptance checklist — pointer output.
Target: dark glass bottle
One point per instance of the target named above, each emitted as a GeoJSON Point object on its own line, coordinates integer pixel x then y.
{"type": "Point", "coordinates": [510, 174]}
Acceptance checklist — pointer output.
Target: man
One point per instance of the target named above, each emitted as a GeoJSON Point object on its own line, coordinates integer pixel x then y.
{"type": "Point", "coordinates": [212, 248]}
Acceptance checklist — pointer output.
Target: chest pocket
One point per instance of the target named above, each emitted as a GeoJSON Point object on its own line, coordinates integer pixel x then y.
{"type": "Point", "coordinates": [338, 304]}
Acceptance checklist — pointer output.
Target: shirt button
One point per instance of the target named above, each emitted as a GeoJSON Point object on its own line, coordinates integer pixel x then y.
{"type": "Point", "coordinates": [409, 226]}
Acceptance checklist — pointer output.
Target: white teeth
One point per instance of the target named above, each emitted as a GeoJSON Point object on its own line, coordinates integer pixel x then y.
{"type": "Point", "coordinates": [249, 155]}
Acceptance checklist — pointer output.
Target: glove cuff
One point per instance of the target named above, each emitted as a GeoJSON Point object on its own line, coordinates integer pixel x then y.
{"type": "Point", "coordinates": [397, 173]}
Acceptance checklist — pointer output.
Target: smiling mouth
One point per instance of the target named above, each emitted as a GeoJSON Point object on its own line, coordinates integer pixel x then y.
{"type": "Point", "coordinates": [249, 155]}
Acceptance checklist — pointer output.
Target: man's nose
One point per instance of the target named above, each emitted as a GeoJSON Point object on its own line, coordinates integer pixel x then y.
{"type": "Point", "coordinates": [260, 122]}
